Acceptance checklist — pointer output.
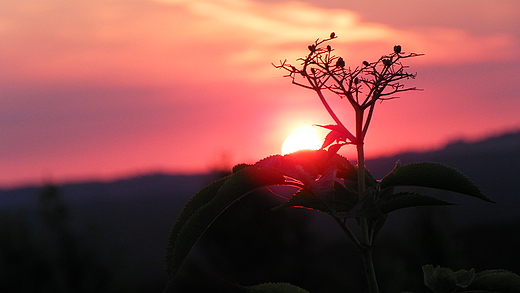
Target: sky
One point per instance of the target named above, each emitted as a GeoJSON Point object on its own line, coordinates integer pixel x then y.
{"type": "Point", "coordinates": [102, 89]}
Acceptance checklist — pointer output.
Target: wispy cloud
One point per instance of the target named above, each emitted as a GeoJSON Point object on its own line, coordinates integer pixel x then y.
{"type": "Point", "coordinates": [197, 39]}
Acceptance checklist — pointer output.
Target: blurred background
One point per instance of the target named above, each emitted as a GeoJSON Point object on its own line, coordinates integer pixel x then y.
{"type": "Point", "coordinates": [104, 89]}
{"type": "Point", "coordinates": [113, 113]}
{"type": "Point", "coordinates": [111, 236]}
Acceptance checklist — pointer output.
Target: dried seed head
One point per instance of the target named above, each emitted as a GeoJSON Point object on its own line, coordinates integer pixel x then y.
{"type": "Point", "coordinates": [366, 63]}
{"type": "Point", "coordinates": [329, 48]}
{"type": "Point", "coordinates": [397, 49]}
{"type": "Point", "coordinates": [312, 48]}
{"type": "Point", "coordinates": [340, 62]}
{"type": "Point", "coordinates": [332, 35]}
{"type": "Point", "coordinates": [387, 62]}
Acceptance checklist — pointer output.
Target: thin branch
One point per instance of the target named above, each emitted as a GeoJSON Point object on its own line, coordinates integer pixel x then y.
{"type": "Point", "coordinates": [349, 233]}
{"type": "Point", "coordinates": [334, 116]}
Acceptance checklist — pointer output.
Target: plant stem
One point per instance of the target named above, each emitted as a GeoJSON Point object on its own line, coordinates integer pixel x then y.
{"type": "Point", "coordinates": [360, 140]}
{"type": "Point", "coordinates": [369, 270]}
{"type": "Point", "coordinates": [365, 233]}
{"type": "Point", "coordinates": [333, 115]}
{"type": "Point", "coordinates": [349, 233]}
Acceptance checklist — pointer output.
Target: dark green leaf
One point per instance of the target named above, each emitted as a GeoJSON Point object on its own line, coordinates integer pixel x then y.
{"type": "Point", "coordinates": [335, 147]}
{"type": "Point", "coordinates": [207, 205]}
{"type": "Point", "coordinates": [463, 278]}
{"type": "Point", "coordinates": [439, 280]}
{"type": "Point", "coordinates": [174, 250]}
{"type": "Point", "coordinates": [340, 200]}
{"type": "Point", "coordinates": [403, 200]}
{"type": "Point", "coordinates": [313, 162]}
{"type": "Point", "coordinates": [365, 207]}
{"type": "Point", "coordinates": [351, 179]}
{"type": "Point", "coordinates": [432, 175]}
{"type": "Point", "coordinates": [444, 280]}
{"type": "Point", "coordinates": [304, 199]}
{"type": "Point", "coordinates": [317, 172]}
{"type": "Point", "coordinates": [323, 188]}
{"type": "Point", "coordinates": [294, 165]}
{"type": "Point", "coordinates": [376, 224]}
{"type": "Point", "coordinates": [344, 199]}
{"type": "Point", "coordinates": [496, 281]}
{"type": "Point", "coordinates": [276, 288]}
{"type": "Point", "coordinates": [331, 137]}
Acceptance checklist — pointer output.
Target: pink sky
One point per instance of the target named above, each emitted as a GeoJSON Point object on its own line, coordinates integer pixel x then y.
{"type": "Point", "coordinates": [101, 89]}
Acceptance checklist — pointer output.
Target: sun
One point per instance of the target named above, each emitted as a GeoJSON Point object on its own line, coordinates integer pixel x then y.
{"type": "Point", "coordinates": [303, 138]}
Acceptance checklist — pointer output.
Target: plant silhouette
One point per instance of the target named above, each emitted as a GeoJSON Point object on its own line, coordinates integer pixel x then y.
{"type": "Point", "coordinates": [327, 182]}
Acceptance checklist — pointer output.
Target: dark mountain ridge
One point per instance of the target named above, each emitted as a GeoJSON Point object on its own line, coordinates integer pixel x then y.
{"type": "Point", "coordinates": [493, 164]}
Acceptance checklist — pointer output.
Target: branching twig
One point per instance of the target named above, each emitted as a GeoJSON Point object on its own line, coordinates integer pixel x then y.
{"type": "Point", "coordinates": [362, 87]}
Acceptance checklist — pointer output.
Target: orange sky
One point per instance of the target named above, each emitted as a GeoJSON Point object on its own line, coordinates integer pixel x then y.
{"type": "Point", "coordinates": [100, 89]}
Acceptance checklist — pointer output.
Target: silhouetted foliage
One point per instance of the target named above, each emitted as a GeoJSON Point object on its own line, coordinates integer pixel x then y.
{"type": "Point", "coordinates": [324, 181]}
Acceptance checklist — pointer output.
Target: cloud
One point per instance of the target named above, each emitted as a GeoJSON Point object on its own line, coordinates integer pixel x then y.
{"type": "Point", "coordinates": [162, 41]}
{"type": "Point", "coordinates": [260, 30]}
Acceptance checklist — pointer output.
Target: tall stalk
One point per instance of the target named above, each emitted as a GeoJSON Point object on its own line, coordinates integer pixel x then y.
{"type": "Point", "coordinates": [366, 252]}
{"type": "Point", "coordinates": [362, 87]}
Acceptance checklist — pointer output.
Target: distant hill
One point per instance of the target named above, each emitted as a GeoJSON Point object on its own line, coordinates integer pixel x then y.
{"type": "Point", "coordinates": [134, 215]}
{"type": "Point", "coordinates": [493, 164]}
{"type": "Point", "coordinates": [130, 219]}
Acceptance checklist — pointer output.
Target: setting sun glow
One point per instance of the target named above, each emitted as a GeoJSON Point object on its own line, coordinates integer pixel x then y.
{"type": "Point", "coordinates": [303, 138]}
